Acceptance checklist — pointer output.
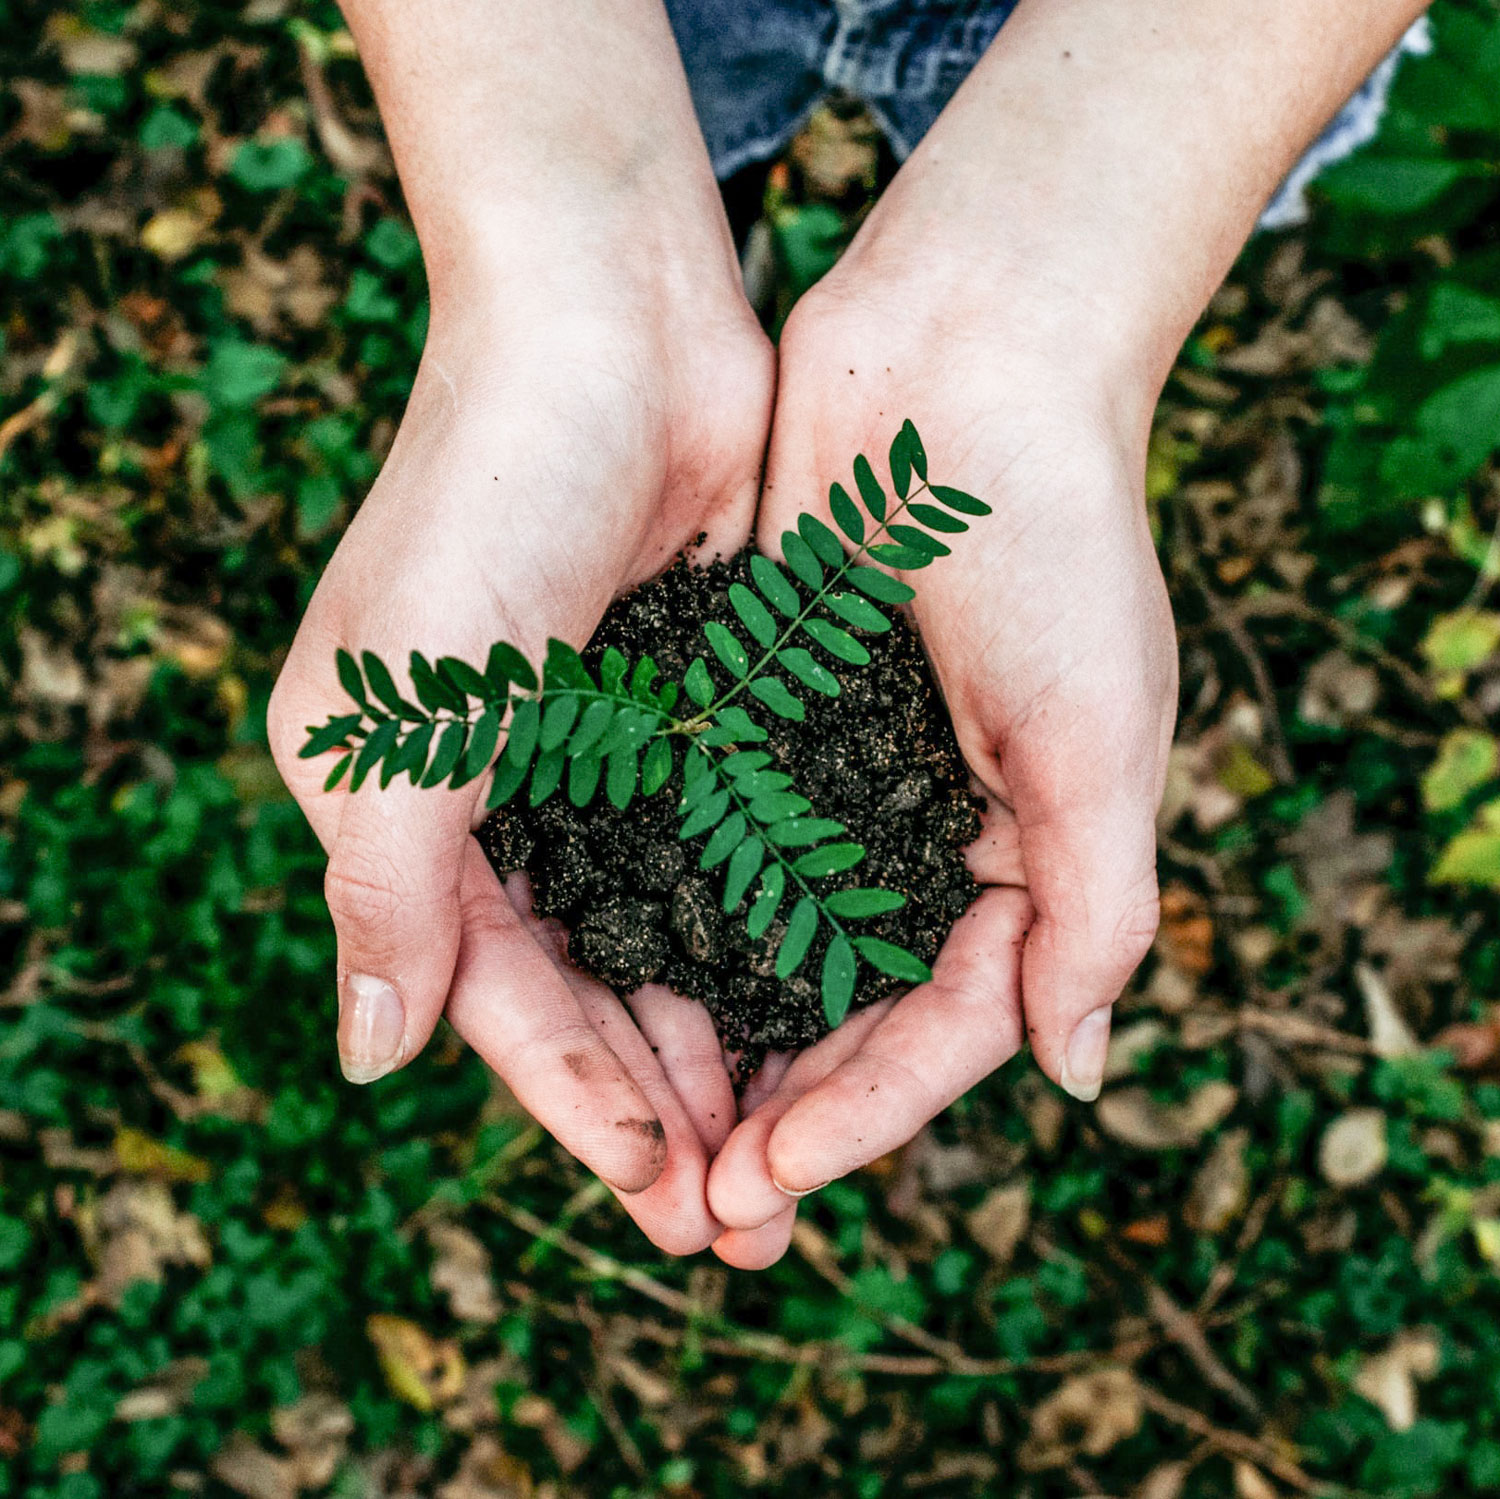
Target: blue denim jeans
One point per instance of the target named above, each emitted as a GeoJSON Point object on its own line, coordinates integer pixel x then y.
{"type": "Point", "coordinates": [758, 68]}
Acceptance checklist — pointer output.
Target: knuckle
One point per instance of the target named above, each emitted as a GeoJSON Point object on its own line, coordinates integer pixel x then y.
{"type": "Point", "coordinates": [1135, 930]}
{"type": "Point", "coordinates": [360, 893]}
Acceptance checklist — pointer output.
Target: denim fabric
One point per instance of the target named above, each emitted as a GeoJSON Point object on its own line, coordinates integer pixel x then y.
{"type": "Point", "coordinates": [758, 68]}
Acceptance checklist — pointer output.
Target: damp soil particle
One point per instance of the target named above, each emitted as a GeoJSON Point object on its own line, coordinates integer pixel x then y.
{"type": "Point", "coordinates": [881, 758]}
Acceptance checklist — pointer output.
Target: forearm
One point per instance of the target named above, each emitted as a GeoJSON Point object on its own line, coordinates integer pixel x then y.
{"type": "Point", "coordinates": [530, 126]}
{"type": "Point", "coordinates": [1118, 155]}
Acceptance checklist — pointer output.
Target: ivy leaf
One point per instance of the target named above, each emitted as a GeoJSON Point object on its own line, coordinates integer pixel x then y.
{"type": "Point", "coordinates": [481, 748]}
{"type": "Point", "coordinates": [547, 775]}
{"type": "Point", "coordinates": [372, 751]}
{"type": "Point", "coordinates": [506, 665]}
{"type": "Point", "coordinates": [705, 816]}
{"type": "Point", "coordinates": [863, 901]}
{"type": "Point", "coordinates": [831, 858]}
{"type": "Point", "coordinates": [798, 832]}
{"type": "Point", "coordinates": [880, 586]}
{"type": "Point", "coordinates": [337, 773]}
{"type": "Point", "coordinates": [382, 685]}
{"type": "Point", "coordinates": [596, 719]}
{"type": "Point", "coordinates": [350, 677]}
{"type": "Point", "coordinates": [464, 679]}
{"type": "Point", "coordinates": [838, 979]}
{"type": "Point", "coordinates": [895, 961]}
{"type": "Point", "coordinates": [808, 671]}
{"type": "Point", "coordinates": [869, 488]}
{"type": "Point", "coordinates": [774, 693]}
{"type": "Point", "coordinates": [331, 735]}
{"type": "Point", "coordinates": [620, 780]}
{"type": "Point", "coordinates": [583, 778]}
{"type": "Point", "coordinates": [837, 642]}
{"type": "Point", "coordinates": [858, 612]}
{"type": "Point", "coordinates": [824, 543]}
{"type": "Point", "coordinates": [727, 648]}
{"type": "Point", "coordinates": [776, 586]}
{"type": "Point", "coordinates": [700, 686]}
{"type": "Point", "coordinates": [744, 865]}
{"type": "Point", "coordinates": [557, 720]}
{"type": "Point", "coordinates": [726, 838]}
{"type": "Point", "coordinates": [846, 514]}
{"type": "Point", "coordinates": [920, 541]}
{"type": "Point", "coordinates": [753, 614]}
{"type": "Point", "coordinates": [939, 520]}
{"type": "Point", "coordinates": [802, 560]}
{"type": "Point", "coordinates": [763, 910]}
{"type": "Point", "coordinates": [656, 767]}
{"type": "Point", "coordinates": [799, 934]}
{"type": "Point", "coordinates": [956, 499]}
{"type": "Point", "coordinates": [450, 747]}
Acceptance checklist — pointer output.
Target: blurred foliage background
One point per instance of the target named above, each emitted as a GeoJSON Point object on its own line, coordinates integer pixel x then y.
{"type": "Point", "coordinates": [1263, 1264]}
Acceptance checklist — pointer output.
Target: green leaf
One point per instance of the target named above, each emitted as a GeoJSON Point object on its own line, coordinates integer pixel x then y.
{"type": "Point", "coordinates": [705, 816]}
{"type": "Point", "coordinates": [763, 910]}
{"type": "Point", "coordinates": [463, 678]}
{"type": "Point", "coordinates": [914, 449]}
{"type": "Point", "coordinates": [776, 806]}
{"type": "Point", "coordinates": [612, 668]}
{"type": "Point", "coordinates": [641, 679]}
{"type": "Point", "coordinates": [1396, 185]}
{"type": "Point", "coordinates": [744, 762]}
{"type": "Point", "coordinates": [333, 734]}
{"type": "Point", "coordinates": [939, 520]}
{"type": "Point", "coordinates": [727, 648]}
{"type": "Point", "coordinates": [547, 776]}
{"type": "Point", "coordinates": [956, 499]}
{"type": "Point", "coordinates": [432, 691]}
{"type": "Point", "coordinates": [799, 934]}
{"type": "Point", "coordinates": [350, 677]}
{"type": "Point", "coordinates": [372, 751]}
{"type": "Point", "coordinates": [506, 665]}
{"type": "Point", "coordinates": [831, 858]}
{"type": "Point", "coordinates": [384, 688]}
{"type": "Point", "coordinates": [450, 747]}
{"type": "Point", "coordinates": [895, 961]}
{"type": "Point", "coordinates": [759, 782]}
{"type": "Point", "coordinates": [620, 779]}
{"type": "Point", "coordinates": [900, 458]}
{"type": "Point", "coordinates": [826, 546]}
{"type": "Point", "coordinates": [509, 776]}
{"type": "Point", "coordinates": [1463, 417]}
{"type": "Point", "coordinates": [1466, 760]}
{"type": "Point", "coordinates": [869, 488]}
{"type": "Point", "coordinates": [583, 778]}
{"type": "Point", "coordinates": [413, 754]}
{"type": "Point", "coordinates": [802, 560]}
{"type": "Point", "coordinates": [481, 748]}
{"type": "Point", "coordinates": [838, 979]}
{"type": "Point", "coordinates": [735, 726]}
{"type": "Point", "coordinates": [564, 668]}
{"type": "Point", "coordinates": [808, 671]}
{"type": "Point", "coordinates": [726, 838]}
{"type": "Point", "coordinates": [753, 614]}
{"type": "Point", "coordinates": [906, 558]}
{"type": "Point", "coordinates": [656, 767]}
{"type": "Point", "coordinates": [798, 832]}
{"type": "Point", "coordinates": [744, 865]}
{"type": "Point", "coordinates": [863, 901]}
{"type": "Point", "coordinates": [846, 513]}
{"type": "Point", "coordinates": [337, 773]}
{"type": "Point", "coordinates": [880, 586]}
{"type": "Point", "coordinates": [596, 719]}
{"type": "Point", "coordinates": [858, 612]}
{"type": "Point", "coordinates": [525, 723]}
{"type": "Point", "coordinates": [774, 693]}
{"type": "Point", "coordinates": [919, 541]}
{"type": "Point", "coordinates": [700, 686]}
{"type": "Point", "coordinates": [776, 586]}
{"type": "Point", "coordinates": [837, 642]}
{"type": "Point", "coordinates": [558, 716]}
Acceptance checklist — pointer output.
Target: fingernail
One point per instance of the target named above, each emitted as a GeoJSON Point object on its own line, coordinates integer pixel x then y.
{"type": "Point", "coordinates": [372, 1028]}
{"type": "Point", "coordinates": [1083, 1062]}
{"type": "Point", "coordinates": [805, 1192]}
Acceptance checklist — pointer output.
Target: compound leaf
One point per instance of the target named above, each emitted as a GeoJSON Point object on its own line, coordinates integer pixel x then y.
{"type": "Point", "coordinates": [775, 694]}
{"type": "Point", "coordinates": [481, 748]}
{"type": "Point", "coordinates": [920, 541]}
{"type": "Point", "coordinates": [838, 979]}
{"type": "Point", "coordinates": [744, 865]}
{"type": "Point", "coordinates": [808, 671]}
{"type": "Point", "coordinates": [465, 680]}
{"type": "Point", "coordinates": [798, 832]}
{"type": "Point", "coordinates": [880, 586]}
{"type": "Point", "coordinates": [753, 614]}
{"type": "Point", "coordinates": [799, 934]}
{"type": "Point", "coordinates": [620, 781]}
{"type": "Point", "coordinates": [802, 560]}
{"type": "Point", "coordinates": [869, 488]}
{"type": "Point", "coordinates": [824, 543]}
{"type": "Point", "coordinates": [506, 665]}
{"type": "Point", "coordinates": [450, 748]}
{"type": "Point", "coordinates": [895, 961]}
{"type": "Point", "coordinates": [846, 514]}
{"type": "Point", "coordinates": [726, 646]}
{"type": "Point", "coordinates": [763, 910]}
{"type": "Point", "coordinates": [591, 726]}
{"type": "Point", "coordinates": [547, 776]}
{"type": "Point", "coordinates": [372, 751]}
{"type": "Point", "coordinates": [775, 585]}
{"type": "Point", "coordinates": [726, 838]}
{"type": "Point", "coordinates": [557, 720]}
{"type": "Point", "coordinates": [956, 499]}
{"type": "Point", "coordinates": [837, 642]}
{"type": "Point", "coordinates": [350, 677]}
{"type": "Point", "coordinates": [863, 901]}
{"type": "Point", "coordinates": [706, 815]}
{"type": "Point", "coordinates": [858, 612]}
{"type": "Point", "coordinates": [330, 736]}
{"type": "Point", "coordinates": [656, 767]}
{"type": "Point", "coordinates": [831, 858]}
{"type": "Point", "coordinates": [583, 778]}
{"type": "Point", "coordinates": [700, 686]}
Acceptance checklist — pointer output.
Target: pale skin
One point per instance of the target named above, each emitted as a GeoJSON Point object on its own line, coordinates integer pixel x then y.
{"type": "Point", "coordinates": [595, 393]}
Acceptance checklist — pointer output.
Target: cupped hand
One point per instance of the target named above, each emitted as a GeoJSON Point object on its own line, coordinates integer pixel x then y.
{"type": "Point", "coordinates": [1050, 633]}
{"type": "Point", "coordinates": [568, 432]}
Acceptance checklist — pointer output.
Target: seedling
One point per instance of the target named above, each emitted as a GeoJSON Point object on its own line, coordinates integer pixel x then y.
{"type": "Point", "coordinates": [628, 732]}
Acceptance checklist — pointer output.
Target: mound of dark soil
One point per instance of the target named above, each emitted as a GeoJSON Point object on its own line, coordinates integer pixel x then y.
{"type": "Point", "coordinates": [881, 758]}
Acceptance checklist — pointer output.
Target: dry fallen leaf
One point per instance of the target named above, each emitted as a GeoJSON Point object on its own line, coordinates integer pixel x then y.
{"type": "Point", "coordinates": [1389, 1379]}
{"type": "Point", "coordinates": [1353, 1149]}
{"type": "Point", "coordinates": [461, 1271]}
{"type": "Point", "coordinates": [316, 1432]}
{"type": "Point", "coordinates": [1089, 1414]}
{"type": "Point", "coordinates": [134, 1232]}
{"type": "Point", "coordinates": [1000, 1222]}
{"type": "Point", "coordinates": [1132, 1116]}
{"type": "Point", "coordinates": [1220, 1187]}
{"type": "Point", "coordinates": [424, 1371]}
